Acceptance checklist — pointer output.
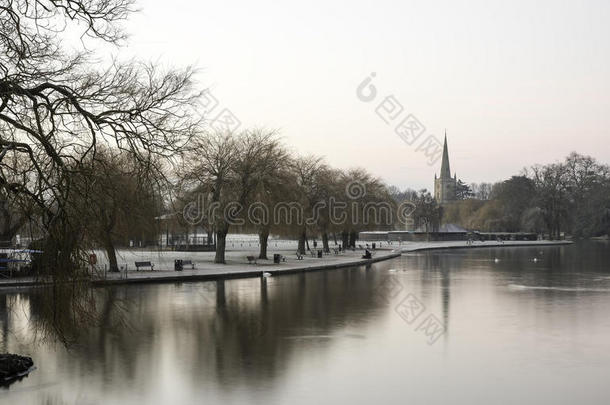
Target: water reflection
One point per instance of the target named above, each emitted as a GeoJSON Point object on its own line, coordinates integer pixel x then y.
{"type": "Point", "coordinates": [267, 339]}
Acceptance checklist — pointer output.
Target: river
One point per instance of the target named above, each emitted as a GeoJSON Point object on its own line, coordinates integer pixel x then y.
{"type": "Point", "coordinates": [465, 326]}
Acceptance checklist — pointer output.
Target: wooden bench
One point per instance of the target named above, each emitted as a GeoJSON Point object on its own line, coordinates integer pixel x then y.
{"type": "Point", "coordinates": [251, 259]}
{"type": "Point", "coordinates": [188, 263]}
{"type": "Point", "coordinates": [144, 264]}
{"type": "Point", "coordinates": [299, 256]}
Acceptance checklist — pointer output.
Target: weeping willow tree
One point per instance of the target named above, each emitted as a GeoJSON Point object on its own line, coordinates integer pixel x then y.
{"type": "Point", "coordinates": [117, 198]}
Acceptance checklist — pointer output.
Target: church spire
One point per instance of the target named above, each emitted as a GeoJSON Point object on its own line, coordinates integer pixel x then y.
{"type": "Point", "coordinates": [445, 171]}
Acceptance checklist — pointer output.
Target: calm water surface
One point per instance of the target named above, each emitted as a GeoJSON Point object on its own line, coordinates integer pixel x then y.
{"type": "Point", "coordinates": [517, 331]}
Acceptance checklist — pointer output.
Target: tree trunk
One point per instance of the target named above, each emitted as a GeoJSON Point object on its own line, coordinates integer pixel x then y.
{"type": "Point", "coordinates": [325, 246]}
{"type": "Point", "coordinates": [301, 247]}
{"type": "Point", "coordinates": [10, 226]}
{"type": "Point", "coordinates": [263, 238]}
{"type": "Point", "coordinates": [210, 237]}
{"type": "Point", "coordinates": [221, 243]}
{"type": "Point", "coordinates": [111, 253]}
{"type": "Point", "coordinates": [345, 239]}
{"type": "Point", "coordinates": [5, 239]}
{"type": "Point", "coordinates": [335, 237]}
{"type": "Point", "coordinates": [352, 239]}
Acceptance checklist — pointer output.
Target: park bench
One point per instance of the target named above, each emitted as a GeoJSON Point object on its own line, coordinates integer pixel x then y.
{"type": "Point", "coordinates": [336, 251]}
{"type": "Point", "coordinates": [313, 253]}
{"type": "Point", "coordinates": [188, 263]}
{"type": "Point", "coordinates": [144, 264]}
{"type": "Point", "coordinates": [299, 256]}
{"type": "Point", "coordinates": [251, 259]}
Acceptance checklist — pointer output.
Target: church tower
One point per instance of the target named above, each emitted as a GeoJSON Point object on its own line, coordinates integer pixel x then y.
{"type": "Point", "coordinates": [445, 186]}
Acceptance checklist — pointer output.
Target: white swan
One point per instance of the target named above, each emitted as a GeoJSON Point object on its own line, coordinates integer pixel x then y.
{"type": "Point", "coordinates": [265, 274]}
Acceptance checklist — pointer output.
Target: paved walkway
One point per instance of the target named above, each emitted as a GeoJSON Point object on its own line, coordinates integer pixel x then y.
{"type": "Point", "coordinates": [205, 269]}
{"type": "Point", "coordinates": [237, 265]}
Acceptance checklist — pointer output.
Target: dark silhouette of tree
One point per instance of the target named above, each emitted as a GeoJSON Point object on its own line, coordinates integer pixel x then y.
{"type": "Point", "coordinates": [428, 213]}
{"type": "Point", "coordinates": [58, 106]}
{"type": "Point", "coordinates": [117, 197]}
{"type": "Point", "coordinates": [463, 191]}
{"type": "Point", "coordinates": [226, 169]}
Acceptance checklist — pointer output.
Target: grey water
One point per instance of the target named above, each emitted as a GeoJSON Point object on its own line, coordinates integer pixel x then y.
{"type": "Point", "coordinates": [469, 326]}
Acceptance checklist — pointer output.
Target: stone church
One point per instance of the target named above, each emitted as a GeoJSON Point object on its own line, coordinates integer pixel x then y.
{"type": "Point", "coordinates": [445, 186]}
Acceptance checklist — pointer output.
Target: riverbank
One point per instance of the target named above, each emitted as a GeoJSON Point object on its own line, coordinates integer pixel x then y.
{"type": "Point", "coordinates": [421, 246]}
{"type": "Point", "coordinates": [237, 265]}
{"type": "Point", "coordinates": [213, 271]}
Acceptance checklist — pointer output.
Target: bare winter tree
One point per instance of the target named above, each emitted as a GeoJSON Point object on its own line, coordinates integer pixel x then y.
{"type": "Point", "coordinates": [16, 210]}
{"type": "Point", "coordinates": [116, 196]}
{"type": "Point", "coordinates": [275, 186]}
{"type": "Point", "coordinates": [551, 182]}
{"type": "Point", "coordinates": [428, 213]}
{"type": "Point", "coordinates": [227, 169]}
{"type": "Point", "coordinates": [57, 106]}
{"type": "Point", "coordinates": [208, 174]}
{"type": "Point", "coordinates": [306, 173]}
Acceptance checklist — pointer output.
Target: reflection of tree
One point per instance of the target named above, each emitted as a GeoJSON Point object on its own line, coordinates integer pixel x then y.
{"type": "Point", "coordinates": [251, 341]}
{"type": "Point", "coordinates": [4, 318]}
{"type": "Point", "coordinates": [61, 311]}
{"type": "Point", "coordinates": [236, 331]}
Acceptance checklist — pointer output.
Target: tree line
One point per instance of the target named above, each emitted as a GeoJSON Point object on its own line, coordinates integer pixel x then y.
{"type": "Point", "coordinates": [571, 197]}
{"type": "Point", "coordinates": [249, 182]}
{"type": "Point", "coordinates": [93, 155]}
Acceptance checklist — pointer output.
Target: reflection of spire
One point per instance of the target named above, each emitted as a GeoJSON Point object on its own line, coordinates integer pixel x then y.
{"type": "Point", "coordinates": [446, 297]}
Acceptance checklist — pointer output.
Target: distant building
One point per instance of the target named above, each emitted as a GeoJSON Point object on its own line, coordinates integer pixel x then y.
{"type": "Point", "coordinates": [445, 186]}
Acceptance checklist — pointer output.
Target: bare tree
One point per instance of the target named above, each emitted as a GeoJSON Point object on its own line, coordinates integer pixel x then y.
{"type": "Point", "coordinates": [428, 213]}
{"type": "Point", "coordinates": [275, 186]}
{"type": "Point", "coordinates": [481, 191]}
{"type": "Point", "coordinates": [209, 172]}
{"type": "Point", "coordinates": [307, 174]}
{"type": "Point", "coordinates": [226, 169]}
{"type": "Point", "coordinates": [16, 210]}
{"type": "Point", "coordinates": [116, 197]}
{"type": "Point", "coordinates": [57, 107]}
{"type": "Point", "coordinates": [552, 190]}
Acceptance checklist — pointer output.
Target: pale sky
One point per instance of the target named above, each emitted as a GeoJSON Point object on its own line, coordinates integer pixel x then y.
{"type": "Point", "coordinates": [513, 82]}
